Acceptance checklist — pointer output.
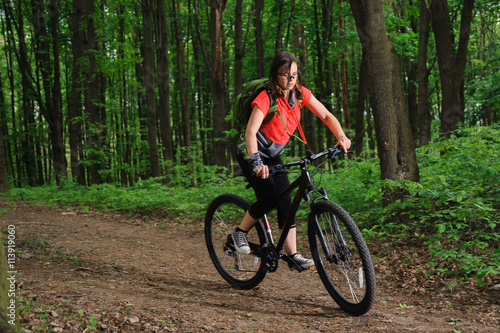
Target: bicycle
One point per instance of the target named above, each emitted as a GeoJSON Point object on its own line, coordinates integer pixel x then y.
{"type": "Point", "coordinates": [339, 251]}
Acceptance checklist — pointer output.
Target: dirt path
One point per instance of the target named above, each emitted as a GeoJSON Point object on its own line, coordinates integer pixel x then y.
{"type": "Point", "coordinates": [103, 272]}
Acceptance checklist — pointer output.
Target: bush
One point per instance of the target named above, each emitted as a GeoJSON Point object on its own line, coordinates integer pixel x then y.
{"type": "Point", "coordinates": [455, 209]}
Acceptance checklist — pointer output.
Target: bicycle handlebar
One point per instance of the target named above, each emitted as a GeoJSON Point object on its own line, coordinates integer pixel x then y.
{"type": "Point", "coordinates": [332, 153]}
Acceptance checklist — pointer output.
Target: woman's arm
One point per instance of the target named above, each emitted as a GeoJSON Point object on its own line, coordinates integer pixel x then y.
{"type": "Point", "coordinates": [253, 126]}
{"type": "Point", "coordinates": [329, 119]}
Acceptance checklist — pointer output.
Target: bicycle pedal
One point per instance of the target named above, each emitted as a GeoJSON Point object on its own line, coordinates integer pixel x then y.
{"type": "Point", "coordinates": [300, 269]}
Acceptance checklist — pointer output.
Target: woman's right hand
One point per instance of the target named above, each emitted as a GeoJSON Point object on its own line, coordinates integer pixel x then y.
{"type": "Point", "coordinates": [261, 171]}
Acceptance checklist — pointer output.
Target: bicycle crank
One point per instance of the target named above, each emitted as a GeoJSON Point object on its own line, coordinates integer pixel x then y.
{"type": "Point", "coordinates": [270, 258]}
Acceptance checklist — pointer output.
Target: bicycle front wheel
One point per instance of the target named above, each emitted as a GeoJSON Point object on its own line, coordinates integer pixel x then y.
{"type": "Point", "coordinates": [342, 258]}
{"type": "Point", "coordinates": [224, 214]}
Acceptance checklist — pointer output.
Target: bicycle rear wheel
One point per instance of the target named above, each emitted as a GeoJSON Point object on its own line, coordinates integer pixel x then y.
{"type": "Point", "coordinates": [224, 214]}
{"type": "Point", "coordinates": [342, 258]}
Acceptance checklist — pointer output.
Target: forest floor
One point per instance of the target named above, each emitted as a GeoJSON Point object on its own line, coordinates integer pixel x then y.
{"type": "Point", "coordinates": [102, 271]}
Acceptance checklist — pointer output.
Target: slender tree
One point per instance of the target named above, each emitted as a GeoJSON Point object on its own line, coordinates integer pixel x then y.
{"type": "Point", "coordinates": [163, 79]}
{"type": "Point", "coordinates": [343, 78]}
{"type": "Point", "coordinates": [451, 61]}
{"type": "Point", "coordinates": [9, 146]}
{"type": "Point", "coordinates": [219, 109]}
{"type": "Point", "coordinates": [409, 23]}
{"type": "Point", "coordinates": [149, 82]}
{"type": "Point", "coordinates": [94, 128]}
{"type": "Point", "coordinates": [4, 177]}
{"type": "Point", "coordinates": [181, 72]}
{"type": "Point", "coordinates": [424, 114]}
{"type": "Point", "coordinates": [238, 47]}
{"type": "Point", "coordinates": [75, 99]}
{"type": "Point", "coordinates": [259, 41]}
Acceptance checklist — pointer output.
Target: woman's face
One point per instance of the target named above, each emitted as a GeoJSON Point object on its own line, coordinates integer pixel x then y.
{"type": "Point", "coordinates": [287, 76]}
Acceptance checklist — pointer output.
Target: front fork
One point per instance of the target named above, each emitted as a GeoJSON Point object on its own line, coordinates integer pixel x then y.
{"type": "Point", "coordinates": [313, 218]}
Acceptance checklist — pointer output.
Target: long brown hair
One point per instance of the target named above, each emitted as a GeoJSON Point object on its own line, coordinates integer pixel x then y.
{"type": "Point", "coordinates": [283, 58]}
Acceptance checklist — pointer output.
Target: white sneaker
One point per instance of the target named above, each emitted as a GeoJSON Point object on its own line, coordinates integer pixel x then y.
{"type": "Point", "coordinates": [241, 242]}
{"type": "Point", "coordinates": [301, 261]}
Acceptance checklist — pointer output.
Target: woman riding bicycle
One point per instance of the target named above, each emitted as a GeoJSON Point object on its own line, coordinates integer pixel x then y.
{"type": "Point", "coordinates": [265, 143]}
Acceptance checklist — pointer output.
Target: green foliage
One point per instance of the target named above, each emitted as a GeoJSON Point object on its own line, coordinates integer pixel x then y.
{"type": "Point", "coordinates": [454, 210]}
{"type": "Point", "coordinates": [146, 197]}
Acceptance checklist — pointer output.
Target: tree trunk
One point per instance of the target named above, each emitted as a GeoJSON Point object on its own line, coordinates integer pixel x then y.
{"type": "Point", "coordinates": [238, 49]}
{"type": "Point", "coordinates": [219, 109]}
{"type": "Point", "coordinates": [424, 114]}
{"type": "Point", "coordinates": [4, 177]}
{"type": "Point", "coordinates": [75, 100]}
{"type": "Point", "coordinates": [163, 79]}
{"type": "Point", "coordinates": [9, 145]}
{"type": "Point", "coordinates": [360, 105]}
{"type": "Point", "coordinates": [27, 149]}
{"type": "Point", "coordinates": [203, 116]}
{"type": "Point", "coordinates": [58, 145]}
{"type": "Point", "coordinates": [279, 28]}
{"type": "Point", "coordinates": [393, 132]}
{"type": "Point", "coordinates": [308, 118]}
{"type": "Point", "coordinates": [141, 100]}
{"type": "Point", "coordinates": [321, 49]}
{"type": "Point", "coordinates": [451, 62]}
{"type": "Point", "coordinates": [92, 97]}
{"type": "Point", "coordinates": [410, 67]}
{"type": "Point", "coordinates": [327, 18]}
{"type": "Point", "coordinates": [123, 135]}
{"type": "Point", "coordinates": [259, 43]}
{"type": "Point", "coordinates": [343, 77]}
{"type": "Point", "coordinates": [102, 80]}
{"type": "Point", "coordinates": [322, 63]}
{"type": "Point", "coordinates": [182, 77]}
{"type": "Point", "coordinates": [149, 83]}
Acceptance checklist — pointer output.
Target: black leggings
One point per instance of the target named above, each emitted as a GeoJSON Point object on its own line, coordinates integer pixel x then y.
{"type": "Point", "coordinates": [267, 191]}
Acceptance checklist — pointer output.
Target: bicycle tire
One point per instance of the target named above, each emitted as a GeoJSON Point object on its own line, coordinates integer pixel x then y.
{"type": "Point", "coordinates": [349, 277]}
{"type": "Point", "coordinates": [223, 215]}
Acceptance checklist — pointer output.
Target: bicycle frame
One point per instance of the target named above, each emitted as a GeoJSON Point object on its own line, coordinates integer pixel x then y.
{"type": "Point", "coordinates": [305, 188]}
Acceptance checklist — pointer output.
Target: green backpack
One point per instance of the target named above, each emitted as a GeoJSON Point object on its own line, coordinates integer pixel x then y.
{"type": "Point", "coordinates": [242, 108]}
